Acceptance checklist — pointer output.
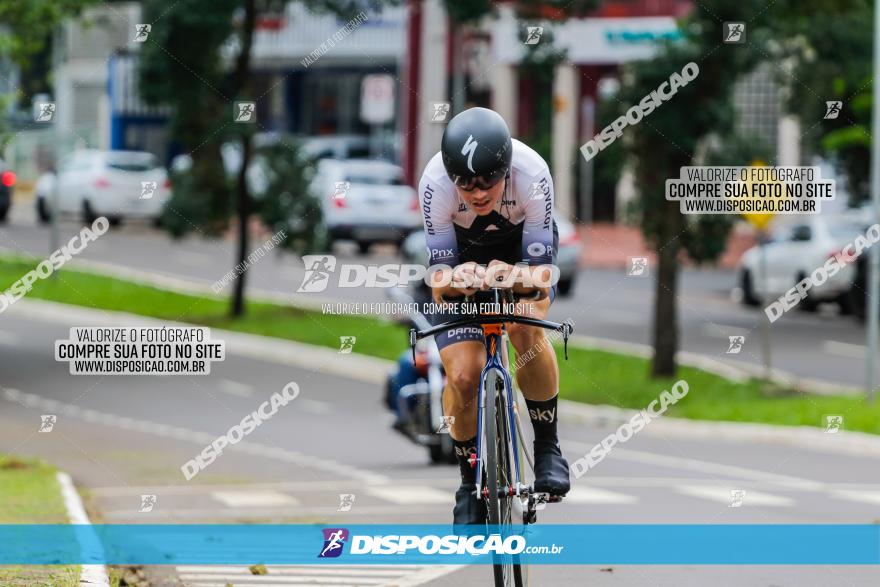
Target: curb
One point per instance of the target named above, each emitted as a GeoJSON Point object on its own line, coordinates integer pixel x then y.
{"type": "Point", "coordinates": [373, 370]}
{"type": "Point", "coordinates": [90, 575]}
{"type": "Point", "coordinates": [263, 348]}
{"type": "Point", "coordinates": [859, 444]}
{"type": "Point", "coordinates": [734, 370]}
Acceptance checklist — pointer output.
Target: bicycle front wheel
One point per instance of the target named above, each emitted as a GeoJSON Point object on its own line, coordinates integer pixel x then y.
{"type": "Point", "coordinates": [500, 480]}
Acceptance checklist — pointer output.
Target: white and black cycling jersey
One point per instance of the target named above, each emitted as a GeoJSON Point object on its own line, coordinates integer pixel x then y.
{"type": "Point", "coordinates": [522, 220]}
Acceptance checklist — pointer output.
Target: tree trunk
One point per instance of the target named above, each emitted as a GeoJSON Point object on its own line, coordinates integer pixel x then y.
{"type": "Point", "coordinates": [239, 82]}
{"type": "Point", "coordinates": [666, 294]}
{"type": "Point", "coordinates": [243, 209]}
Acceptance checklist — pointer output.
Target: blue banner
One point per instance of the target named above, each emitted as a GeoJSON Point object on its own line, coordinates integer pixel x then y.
{"type": "Point", "coordinates": [160, 544]}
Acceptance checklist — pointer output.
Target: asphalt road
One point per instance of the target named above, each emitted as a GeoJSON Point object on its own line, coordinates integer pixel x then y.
{"type": "Point", "coordinates": [605, 304]}
{"type": "Point", "coordinates": [124, 437]}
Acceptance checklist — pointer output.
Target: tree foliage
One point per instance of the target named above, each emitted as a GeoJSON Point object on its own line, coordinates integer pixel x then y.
{"type": "Point", "coordinates": [28, 24]}
{"type": "Point", "coordinates": [683, 129]}
{"type": "Point", "coordinates": [832, 57]}
{"type": "Point", "coordinates": [471, 11]}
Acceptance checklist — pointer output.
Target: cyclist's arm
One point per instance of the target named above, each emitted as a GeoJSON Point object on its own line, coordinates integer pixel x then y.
{"type": "Point", "coordinates": [537, 241]}
{"type": "Point", "coordinates": [438, 206]}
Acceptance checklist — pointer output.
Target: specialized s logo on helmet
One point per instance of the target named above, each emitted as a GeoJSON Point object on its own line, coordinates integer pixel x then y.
{"type": "Point", "coordinates": [470, 145]}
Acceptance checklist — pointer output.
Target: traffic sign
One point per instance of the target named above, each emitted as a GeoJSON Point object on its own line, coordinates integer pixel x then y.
{"type": "Point", "coordinates": [377, 98]}
{"type": "Point", "coordinates": [760, 220]}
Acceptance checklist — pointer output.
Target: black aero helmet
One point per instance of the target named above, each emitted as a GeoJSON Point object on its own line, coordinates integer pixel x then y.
{"type": "Point", "coordinates": [476, 148]}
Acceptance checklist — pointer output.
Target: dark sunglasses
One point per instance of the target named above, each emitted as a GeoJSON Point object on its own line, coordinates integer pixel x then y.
{"type": "Point", "coordinates": [484, 182]}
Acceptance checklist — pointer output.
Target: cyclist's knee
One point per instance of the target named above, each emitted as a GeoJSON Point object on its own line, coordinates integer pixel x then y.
{"type": "Point", "coordinates": [524, 337]}
{"type": "Point", "coordinates": [464, 379]}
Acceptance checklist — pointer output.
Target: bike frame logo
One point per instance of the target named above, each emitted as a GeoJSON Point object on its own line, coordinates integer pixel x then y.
{"type": "Point", "coordinates": [334, 542]}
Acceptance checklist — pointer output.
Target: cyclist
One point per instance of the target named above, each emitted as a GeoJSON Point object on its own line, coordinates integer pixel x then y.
{"type": "Point", "coordinates": [487, 203]}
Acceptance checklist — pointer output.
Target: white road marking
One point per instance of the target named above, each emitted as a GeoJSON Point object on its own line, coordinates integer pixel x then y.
{"type": "Point", "coordinates": [365, 570]}
{"type": "Point", "coordinates": [722, 495]}
{"type": "Point", "coordinates": [342, 485]}
{"type": "Point", "coordinates": [706, 467]}
{"type": "Point", "coordinates": [413, 494]}
{"type": "Point", "coordinates": [579, 494]}
{"type": "Point", "coordinates": [186, 434]}
{"type": "Point", "coordinates": [266, 581]}
{"type": "Point", "coordinates": [720, 330]}
{"type": "Point", "coordinates": [89, 574]}
{"type": "Point", "coordinates": [235, 388]}
{"type": "Point", "coordinates": [314, 406]}
{"type": "Point", "coordinates": [844, 349]}
{"type": "Point", "coordinates": [249, 498]}
{"type": "Point", "coordinates": [310, 575]}
{"type": "Point", "coordinates": [872, 497]}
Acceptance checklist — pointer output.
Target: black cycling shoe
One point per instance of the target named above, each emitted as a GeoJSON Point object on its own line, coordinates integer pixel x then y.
{"type": "Point", "coordinates": [551, 469]}
{"type": "Point", "coordinates": [468, 509]}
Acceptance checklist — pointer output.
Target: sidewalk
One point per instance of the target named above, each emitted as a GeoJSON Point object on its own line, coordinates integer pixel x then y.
{"type": "Point", "coordinates": [609, 246]}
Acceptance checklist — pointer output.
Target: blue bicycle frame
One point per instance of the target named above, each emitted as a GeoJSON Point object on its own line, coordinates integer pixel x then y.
{"type": "Point", "coordinates": [494, 361]}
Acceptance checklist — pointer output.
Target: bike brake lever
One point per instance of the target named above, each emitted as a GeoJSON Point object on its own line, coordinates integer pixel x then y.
{"type": "Point", "coordinates": [566, 332]}
{"type": "Point", "coordinates": [413, 338]}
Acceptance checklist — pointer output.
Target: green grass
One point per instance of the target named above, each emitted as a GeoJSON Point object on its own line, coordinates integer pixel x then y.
{"type": "Point", "coordinates": [30, 494]}
{"type": "Point", "coordinates": [381, 339]}
{"type": "Point", "coordinates": [599, 377]}
{"type": "Point", "coordinates": [590, 376]}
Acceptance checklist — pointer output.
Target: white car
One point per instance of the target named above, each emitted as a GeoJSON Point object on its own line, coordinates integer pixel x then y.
{"type": "Point", "coordinates": [796, 249]}
{"type": "Point", "coordinates": [366, 201]}
{"type": "Point", "coordinates": [115, 184]}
